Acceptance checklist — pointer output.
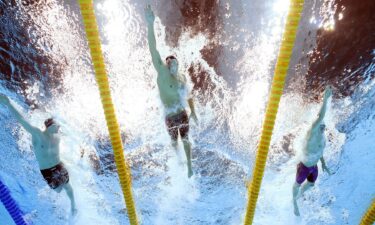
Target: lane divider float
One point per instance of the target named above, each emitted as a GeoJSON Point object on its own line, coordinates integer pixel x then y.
{"type": "Point", "coordinates": [123, 169]}
{"type": "Point", "coordinates": [369, 216]}
{"type": "Point", "coordinates": [281, 70]}
{"type": "Point", "coordinates": [11, 206]}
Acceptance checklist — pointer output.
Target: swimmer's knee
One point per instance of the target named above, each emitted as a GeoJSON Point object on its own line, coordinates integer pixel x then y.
{"type": "Point", "coordinates": [58, 189]}
{"type": "Point", "coordinates": [185, 140]}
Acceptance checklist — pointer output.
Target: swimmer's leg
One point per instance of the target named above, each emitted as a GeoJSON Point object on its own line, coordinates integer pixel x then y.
{"type": "Point", "coordinates": [187, 148]}
{"type": "Point", "coordinates": [296, 188]}
{"type": "Point", "coordinates": [173, 133]}
{"type": "Point", "coordinates": [306, 186]}
{"type": "Point", "coordinates": [311, 178]}
{"type": "Point", "coordinates": [174, 144]}
{"type": "Point", "coordinates": [58, 189]}
{"type": "Point", "coordinates": [69, 191]}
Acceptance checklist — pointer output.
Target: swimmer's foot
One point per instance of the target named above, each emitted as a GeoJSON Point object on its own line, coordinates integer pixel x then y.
{"type": "Point", "coordinates": [74, 211]}
{"type": "Point", "coordinates": [190, 173]}
{"type": "Point", "coordinates": [296, 211]}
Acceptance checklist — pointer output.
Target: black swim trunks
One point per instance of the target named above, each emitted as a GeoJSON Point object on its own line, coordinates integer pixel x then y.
{"type": "Point", "coordinates": [178, 122]}
{"type": "Point", "coordinates": [304, 172]}
{"type": "Point", "coordinates": [56, 176]}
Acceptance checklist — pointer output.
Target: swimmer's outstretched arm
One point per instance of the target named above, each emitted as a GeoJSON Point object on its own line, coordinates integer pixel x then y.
{"type": "Point", "coordinates": [324, 166]}
{"type": "Point", "coordinates": [28, 127]}
{"type": "Point", "coordinates": [192, 110]}
{"type": "Point", "coordinates": [322, 112]}
{"type": "Point", "coordinates": [150, 18]}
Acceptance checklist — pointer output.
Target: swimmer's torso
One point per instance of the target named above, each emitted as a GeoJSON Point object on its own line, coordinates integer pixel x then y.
{"type": "Point", "coordinates": [314, 149]}
{"type": "Point", "coordinates": [46, 150]}
{"type": "Point", "coordinates": [171, 89]}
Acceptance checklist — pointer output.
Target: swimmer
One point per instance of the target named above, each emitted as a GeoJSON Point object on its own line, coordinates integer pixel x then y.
{"type": "Point", "coordinates": [173, 93]}
{"type": "Point", "coordinates": [47, 151]}
{"type": "Point", "coordinates": [311, 154]}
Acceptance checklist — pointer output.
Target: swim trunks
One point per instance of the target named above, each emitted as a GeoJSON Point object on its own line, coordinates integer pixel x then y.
{"type": "Point", "coordinates": [56, 176]}
{"type": "Point", "coordinates": [303, 172]}
{"type": "Point", "coordinates": [178, 122]}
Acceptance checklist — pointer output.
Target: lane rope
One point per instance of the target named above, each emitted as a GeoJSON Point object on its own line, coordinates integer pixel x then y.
{"type": "Point", "coordinates": [369, 217]}
{"type": "Point", "coordinates": [123, 169]}
{"type": "Point", "coordinates": [281, 70]}
{"type": "Point", "coordinates": [11, 206]}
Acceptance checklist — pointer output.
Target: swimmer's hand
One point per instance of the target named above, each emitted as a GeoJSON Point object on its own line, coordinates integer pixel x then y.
{"type": "Point", "coordinates": [325, 169]}
{"type": "Point", "coordinates": [327, 92]}
{"type": "Point", "coordinates": [150, 17]}
{"type": "Point", "coordinates": [194, 116]}
{"type": "Point", "coordinates": [4, 99]}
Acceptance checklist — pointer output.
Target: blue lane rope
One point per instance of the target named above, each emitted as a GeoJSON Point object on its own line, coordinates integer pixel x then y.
{"type": "Point", "coordinates": [11, 205]}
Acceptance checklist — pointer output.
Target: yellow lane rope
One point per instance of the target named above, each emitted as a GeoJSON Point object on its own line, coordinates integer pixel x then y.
{"type": "Point", "coordinates": [282, 65]}
{"type": "Point", "coordinates": [369, 216]}
{"type": "Point", "coordinates": [123, 170]}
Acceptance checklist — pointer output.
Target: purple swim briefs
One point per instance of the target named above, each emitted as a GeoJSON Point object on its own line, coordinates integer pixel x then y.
{"type": "Point", "coordinates": [303, 172]}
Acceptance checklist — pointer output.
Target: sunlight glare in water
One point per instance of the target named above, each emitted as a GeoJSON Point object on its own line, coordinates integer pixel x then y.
{"type": "Point", "coordinates": [281, 6]}
{"type": "Point", "coordinates": [328, 13]}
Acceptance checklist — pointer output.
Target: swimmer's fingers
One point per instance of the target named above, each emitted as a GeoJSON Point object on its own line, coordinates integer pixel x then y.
{"type": "Point", "coordinates": [2, 96]}
{"type": "Point", "coordinates": [4, 99]}
{"type": "Point", "coordinates": [150, 17]}
{"type": "Point", "coordinates": [148, 9]}
{"type": "Point", "coordinates": [328, 92]}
